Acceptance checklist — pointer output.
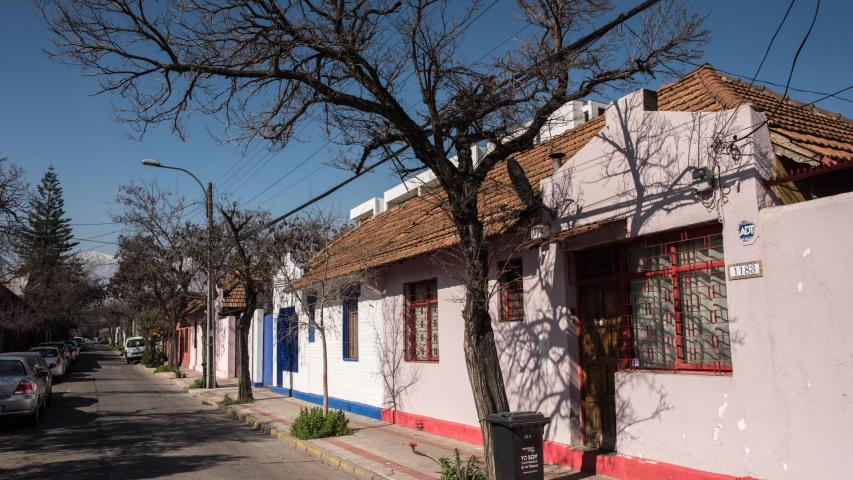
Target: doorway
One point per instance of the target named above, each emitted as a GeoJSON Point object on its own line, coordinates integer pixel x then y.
{"type": "Point", "coordinates": [601, 306]}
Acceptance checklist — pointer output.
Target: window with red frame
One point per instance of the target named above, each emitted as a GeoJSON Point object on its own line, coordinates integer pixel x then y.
{"type": "Point", "coordinates": [421, 321]}
{"type": "Point", "coordinates": [678, 304]}
{"type": "Point", "coordinates": [511, 291]}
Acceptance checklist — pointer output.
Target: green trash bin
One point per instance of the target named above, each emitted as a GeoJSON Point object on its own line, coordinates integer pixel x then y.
{"type": "Point", "coordinates": [517, 444]}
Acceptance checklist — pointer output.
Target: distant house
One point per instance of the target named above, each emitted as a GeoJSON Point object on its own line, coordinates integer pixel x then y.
{"type": "Point", "coordinates": [13, 335]}
{"type": "Point", "coordinates": [684, 313]}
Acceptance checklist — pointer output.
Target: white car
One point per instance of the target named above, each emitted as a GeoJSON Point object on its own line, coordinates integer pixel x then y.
{"type": "Point", "coordinates": [55, 360]}
{"type": "Point", "coordinates": [133, 348]}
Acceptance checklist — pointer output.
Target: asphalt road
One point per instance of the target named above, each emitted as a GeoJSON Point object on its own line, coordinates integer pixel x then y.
{"type": "Point", "coordinates": [113, 420]}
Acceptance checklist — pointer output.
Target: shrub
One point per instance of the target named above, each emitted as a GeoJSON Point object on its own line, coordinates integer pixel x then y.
{"type": "Point", "coordinates": [170, 368]}
{"type": "Point", "coordinates": [227, 401]}
{"type": "Point", "coordinates": [197, 383]}
{"type": "Point", "coordinates": [455, 469]}
{"type": "Point", "coordinates": [311, 423]}
{"type": "Point", "coordinates": [150, 356]}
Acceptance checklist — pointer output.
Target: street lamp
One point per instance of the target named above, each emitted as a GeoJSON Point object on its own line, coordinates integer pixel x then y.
{"type": "Point", "coordinates": [209, 365]}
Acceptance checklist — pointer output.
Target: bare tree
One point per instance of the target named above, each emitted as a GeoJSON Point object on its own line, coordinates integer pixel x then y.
{"type": "Point", "coordinates": [253, 255]}
{"type": "Point", "coordinates": [13, 198]}
{"type": "Point", "coordinates": [380, 75]}
{"type": "Point", "coordinates": [307, 241]}
{"type": "Point", "coordinates": [159, 260]}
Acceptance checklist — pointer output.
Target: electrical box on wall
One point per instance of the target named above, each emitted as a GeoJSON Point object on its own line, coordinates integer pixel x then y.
{"type": "Point", "coordinates": [702, 179]}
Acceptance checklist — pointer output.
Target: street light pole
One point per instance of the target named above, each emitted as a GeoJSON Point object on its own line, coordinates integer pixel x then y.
{"type": "Point", "coordinates": [209, 365]}
{"type": "Point", "coordinates": [210, 381]}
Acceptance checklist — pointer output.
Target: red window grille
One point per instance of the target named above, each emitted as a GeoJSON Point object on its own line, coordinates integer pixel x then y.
{"type": "Point", "coordinates": [511, 292]}
{"type": "Point", "coordinates": [679, 317]}
{"type": "Point", "coordinates": [421, 321]}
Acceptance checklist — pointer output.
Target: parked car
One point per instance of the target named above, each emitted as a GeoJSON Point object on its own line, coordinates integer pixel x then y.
{"type": "Point", "coordinates": [38, 362]}
{"type": "Point", "coordinates": [133, 348]}
{"type": "Point", "coordinates": [66, 353]}
{"type": "Point", "coordinates": [81, 342]}
{"type": "Point", "coordinates": [23, 390]}
{"type": "Point", "coordinates": [56, 362]}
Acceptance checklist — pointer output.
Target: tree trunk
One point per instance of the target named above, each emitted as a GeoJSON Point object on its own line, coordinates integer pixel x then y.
{"type": "Point", "coordinates": [481, 355]}
{"type": "Point", "coordinates": [325, 371]}
{"type": "Point", "coordinates": [173, 345]}
{"type": "Point", "coordinates": [244, 390]}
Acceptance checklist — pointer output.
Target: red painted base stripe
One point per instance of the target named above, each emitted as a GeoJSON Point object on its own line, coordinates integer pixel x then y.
{"type": "Point", "coordinates": [613, 464]}
{"type": "Point", "coordinates": [458, 431]}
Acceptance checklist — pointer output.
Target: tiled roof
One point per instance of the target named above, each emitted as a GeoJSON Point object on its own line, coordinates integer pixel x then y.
{"type": "Point", "coordinates": [823, 133]}
{"type": "Point", "coordinates": [235, 296]}
{"type": "Point", "coordinates": [420, 225]}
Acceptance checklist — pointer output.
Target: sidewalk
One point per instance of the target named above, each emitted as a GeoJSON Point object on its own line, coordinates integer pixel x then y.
{"type": "Point", "coordinates": [375, 450]}
{"type": "Point", "coordinates": [190, 376]}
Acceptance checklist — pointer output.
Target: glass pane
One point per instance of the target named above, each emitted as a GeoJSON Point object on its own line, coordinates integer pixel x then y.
{"type": "Point", "coordinates": [704, 318]}
{"type": "Point", "coordinates": [420, 317]}
{"type": "Point", "coordinates": [433, 315]}
{"type": "Point", "coordinates": [700, 250]}
{"type": "Point", "coordinates": [650, 258]}
{"type": "Point", "coordinates": [654, 322]}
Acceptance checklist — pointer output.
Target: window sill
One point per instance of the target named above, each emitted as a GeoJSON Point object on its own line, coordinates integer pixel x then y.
{"type": "Point", "coordinates": [704, 373]}
{"type": "Point", "coordinates": [350, 359]}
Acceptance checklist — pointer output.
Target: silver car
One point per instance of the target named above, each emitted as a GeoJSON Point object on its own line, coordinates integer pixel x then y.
{"type": "Point", "coordinates": [38, 362]}
{"type": "Point", "coordinates": [23, 391]}
{"type": "Point", "coordinates": [56, 362]}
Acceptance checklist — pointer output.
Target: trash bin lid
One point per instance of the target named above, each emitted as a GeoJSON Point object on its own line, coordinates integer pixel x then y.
{"type": "Point", "coordinates": [518, 419]}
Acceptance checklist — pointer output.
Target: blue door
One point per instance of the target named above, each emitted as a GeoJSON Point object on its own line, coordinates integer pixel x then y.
{"type": "Point", "coordinates": [287, 342]}
{"type": "Point", "coordinates": [267, 368]}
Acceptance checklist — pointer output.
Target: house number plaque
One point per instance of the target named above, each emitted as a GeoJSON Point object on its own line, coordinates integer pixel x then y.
{"type": "Point", "coordinates": [740, 271]}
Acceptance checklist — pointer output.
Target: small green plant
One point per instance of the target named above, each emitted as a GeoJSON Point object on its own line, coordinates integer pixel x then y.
{"type": "Point", "coordinates": [197, 383]}
{"type": "Point", "coordinates": [170, 368]}
{"type": "Point", "coordinates": [455, 469]}
{"type": "Point", "coordinates": [311, 423]}
{"type": "Point", "coordinates": [227, 401]}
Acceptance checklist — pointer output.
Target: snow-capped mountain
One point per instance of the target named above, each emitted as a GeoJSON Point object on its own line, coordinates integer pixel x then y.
{"type": "Point", "coordinates": [99, 265]}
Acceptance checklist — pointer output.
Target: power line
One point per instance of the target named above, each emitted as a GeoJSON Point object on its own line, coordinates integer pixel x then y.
{"type": "Point", "coordinates": [760, 64]}
{"type": "Point", "coordinates": [775, 84]}
{"type": "Point", "coordinates": [791, 74]}
{"type": "Point", "coordinates": [338, 134]}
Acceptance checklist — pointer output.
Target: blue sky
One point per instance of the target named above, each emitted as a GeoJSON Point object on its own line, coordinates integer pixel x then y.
{"type": "Point", "coordinates": [48, 115]}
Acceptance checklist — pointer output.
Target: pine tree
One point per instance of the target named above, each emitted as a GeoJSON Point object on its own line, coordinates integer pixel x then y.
{"type": "Point", "coordinates": [55, 282]}
{"type": "Point", "coordinates": [46, 241]}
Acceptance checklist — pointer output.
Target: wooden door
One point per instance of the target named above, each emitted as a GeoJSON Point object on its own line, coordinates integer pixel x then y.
{"type": "Point", "coordinates": [599, 316]}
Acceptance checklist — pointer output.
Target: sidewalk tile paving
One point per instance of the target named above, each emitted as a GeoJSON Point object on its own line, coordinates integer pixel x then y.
{"type": "Point", "coordinates": [379, 447]}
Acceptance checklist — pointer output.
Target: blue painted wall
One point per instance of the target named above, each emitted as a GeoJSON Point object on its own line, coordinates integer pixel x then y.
{"type": "Point", "coordinates": [267, 365]}
{"type": "Point", "coordinates": [334, 403]}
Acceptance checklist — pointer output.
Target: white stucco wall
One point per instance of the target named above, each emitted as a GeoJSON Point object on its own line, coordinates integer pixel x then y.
{"type": "Point", "coordinates": [786, 412]}
{"type": "Point", "coordinates": [352, 380]}
{"type": "Point", "coordinates": [225, 346]}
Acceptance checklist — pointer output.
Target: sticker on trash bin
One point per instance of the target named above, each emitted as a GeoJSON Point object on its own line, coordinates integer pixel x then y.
{"type": "Point", "coordinates": [529, 461]}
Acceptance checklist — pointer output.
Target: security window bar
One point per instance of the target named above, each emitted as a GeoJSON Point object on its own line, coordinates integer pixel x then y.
{"type": "Point", "coordinates": [678, 303]}
{"type": "Point", "coordinates": [312, 312]}
{"type": "Point", "coordinates": [350, 323]}
{"type": "Point", "coordinates": [421, 321]}
{"type": "Point", "coordinates": [511, 291]}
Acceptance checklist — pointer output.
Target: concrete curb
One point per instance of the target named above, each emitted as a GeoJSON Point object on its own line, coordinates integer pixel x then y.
{"type": "Point", "coordinates": [324, 455]}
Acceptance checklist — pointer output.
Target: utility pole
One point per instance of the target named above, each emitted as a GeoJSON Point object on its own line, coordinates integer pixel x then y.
{"type": "Point", "coordinates": [209, 363]}
{"type": "Point", "coordinates": [210, 380]}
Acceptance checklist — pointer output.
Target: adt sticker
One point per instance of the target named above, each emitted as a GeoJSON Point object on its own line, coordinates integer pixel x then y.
{"type": "Point", "coordinates": [746, 232]}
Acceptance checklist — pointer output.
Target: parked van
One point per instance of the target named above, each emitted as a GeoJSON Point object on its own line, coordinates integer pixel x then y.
{"type": "Point", "coordinates": [133, 348]}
